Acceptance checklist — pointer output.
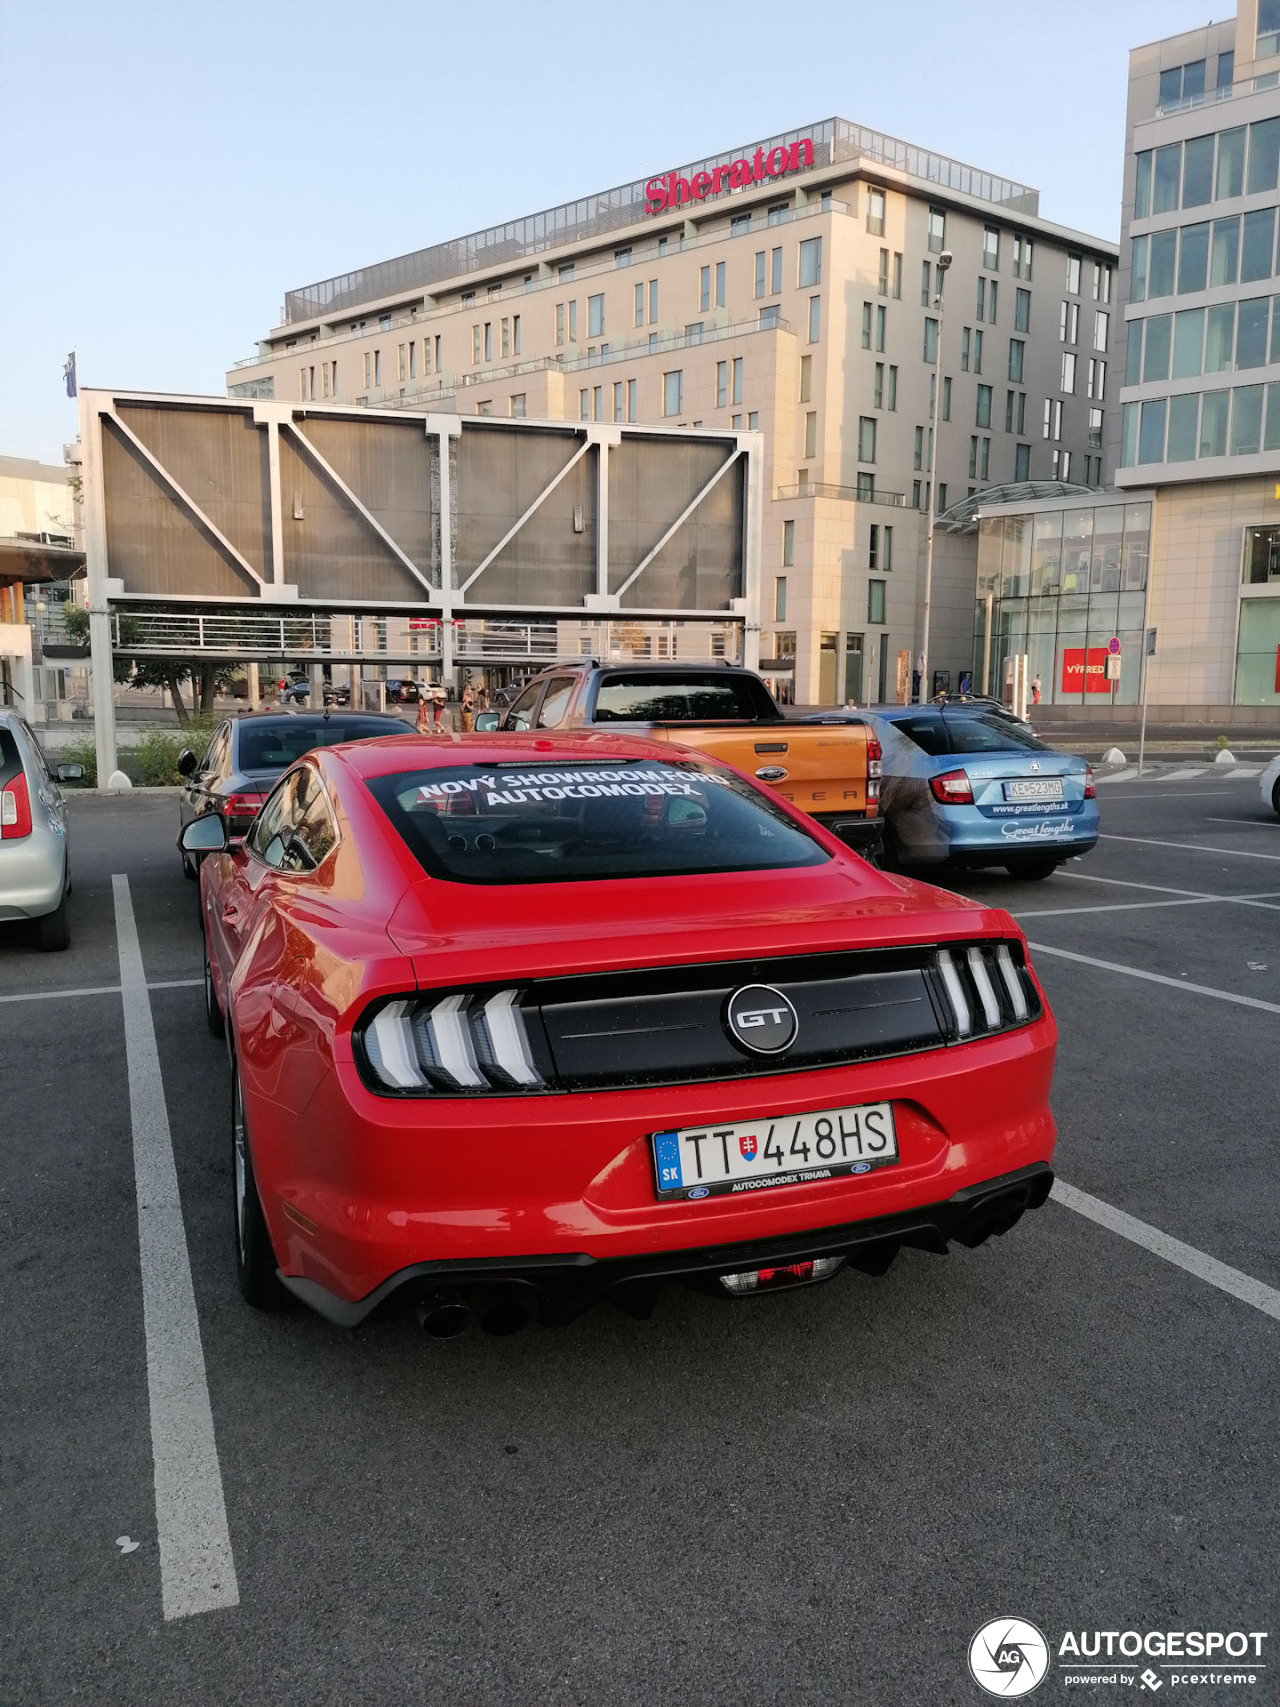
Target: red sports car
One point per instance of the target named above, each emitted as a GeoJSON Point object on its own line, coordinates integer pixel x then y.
{"type": "Point", "coordinates": [514, 1026]}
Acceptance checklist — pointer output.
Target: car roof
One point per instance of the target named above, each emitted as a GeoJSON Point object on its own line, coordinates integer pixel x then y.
{"type": "Point", "coordinates": [411, 751]}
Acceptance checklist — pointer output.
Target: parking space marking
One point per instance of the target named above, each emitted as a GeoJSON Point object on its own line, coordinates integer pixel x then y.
{"type": "Point", "coordinates": [1189, 847]}
{"type": "Point", "coordinates": [1269, 901]}
{"type": "Point", "coordinates": [1257, 823]}
{"type": "Point", "coordinates": [1157, 978]}
{"type": "Point", "coordinates": [1244, 770]}
{"type": "Point", "coordinates": [1204, 1267]}
{"type": "Point", "coordinates": [1187, 772]}
{"type": "Point", "coordinates": [102, 990]}
{"type": "Point", "coordinates": [197, 1570]}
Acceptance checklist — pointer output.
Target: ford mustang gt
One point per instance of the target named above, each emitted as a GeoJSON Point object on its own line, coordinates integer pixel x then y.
{"type": "Point", "coordinates": [514, 1026]}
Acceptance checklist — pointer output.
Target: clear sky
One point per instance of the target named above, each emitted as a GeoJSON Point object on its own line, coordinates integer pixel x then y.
{"type": "Point", "coordinates": [168, 171]}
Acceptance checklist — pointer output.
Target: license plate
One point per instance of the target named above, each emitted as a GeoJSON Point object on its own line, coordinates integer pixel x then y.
{"type": "Point", "coordinates": [792, 1149]}
{"type": "Point", "coordinates": [1048, 789]}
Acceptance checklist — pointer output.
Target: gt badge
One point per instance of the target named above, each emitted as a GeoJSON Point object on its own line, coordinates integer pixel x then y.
{"type": "Point", "coordinates": [761, 1019]}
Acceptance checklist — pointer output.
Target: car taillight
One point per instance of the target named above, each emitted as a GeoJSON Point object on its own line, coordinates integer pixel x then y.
{"type": "Point", "coordinates": [988, 988]}
{"type": "Point", "coordinates": [952, 789]}
{"type": "Point", "coordinates": [449, 1044]}
{"type": "Point", "coordinates": [873, 789]}
{"type": "Point", "coordinates": [1090, 792]}
{"type": "Point", "coordinates": [875, 754]}
{"type": "Point", "coordinates": [15, 809]}
{"type": "Point", "coordinates": [240, 805]}
{"type": "Point", "coordinates": [790, 1274]}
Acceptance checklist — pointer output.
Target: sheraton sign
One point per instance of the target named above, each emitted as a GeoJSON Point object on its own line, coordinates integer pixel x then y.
{"type": "Point", "coordinates": [674, 191]}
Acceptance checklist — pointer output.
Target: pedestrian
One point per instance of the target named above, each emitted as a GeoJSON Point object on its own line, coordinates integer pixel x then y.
{"type": "Point", "coordinates": [851, 704]}
{"type": "Point", "coordinates": [468, 707]}
{"type": "Point", "coordinates": [1035, 690]}
{"type": "Point", "coordinates": [424, 726]}
{"type": "Point", "coordinates": [437, 704]}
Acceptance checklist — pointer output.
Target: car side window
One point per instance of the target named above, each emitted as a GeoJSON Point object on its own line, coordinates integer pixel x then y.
{"type": "Point", "coordinates": [314, 836]}
{"type": "Point", "coordinates": [214, 761]}
{"type": "Point", "coordinates": [520, 715]}
{"type": "Point", "coordinates": [978, 734]}
{"type": "Point", "coordinates": [273, 824]}
{"type": "Point", "coordinates": [927, 732]}
{"type": "Point", "coordinates": [556, 702]}
{"type": "Point", "coordinates": [36, 750]}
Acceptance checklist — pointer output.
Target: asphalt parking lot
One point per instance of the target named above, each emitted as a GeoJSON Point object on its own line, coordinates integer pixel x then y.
{"type": "Point", "coordinates": [815, 1497]}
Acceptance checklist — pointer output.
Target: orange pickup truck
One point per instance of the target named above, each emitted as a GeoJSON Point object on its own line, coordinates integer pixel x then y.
{"type": "Point", "coordinates": [829, 770]}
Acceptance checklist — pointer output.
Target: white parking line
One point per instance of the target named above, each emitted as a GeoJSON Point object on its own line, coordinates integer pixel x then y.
{"type": "Point", "coordinates": [1203, 1266]}
{"type": "Point", "coordinates": [1186, 774]}
{"type": "Point", "coordinates": [1116, 776]}
{"type": "Point", "coordinates": [1157, 978]}
{"type": "Point", "coordinates": [1244, 770]}
{"type": "Point", "coordinates": [102, 990]}
{"type": "Point", "coordinates": [1189, 847]}
{"type": "Point", "coordinates": [197, 1571]}
{"type": "Point", "coordinates": [1270, 901]}
{"type": "Point", "coordinates": [1254, 823]}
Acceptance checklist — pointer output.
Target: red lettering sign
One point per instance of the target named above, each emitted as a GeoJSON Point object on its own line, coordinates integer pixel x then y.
{"type": "Point", "coordinates": [1085, 671]}
{"type": "Point", "coordinates": [674, 191]}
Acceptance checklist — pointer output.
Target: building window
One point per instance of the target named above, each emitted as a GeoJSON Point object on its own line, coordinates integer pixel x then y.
{"type": "Point", "coordinates": [1022, 258]}
{"type": "Point", "coordinates": [1097, 383]}
{"type": "Point", "coordinates": [815, 320]}
{"type": "Point", "coordinates": [811, 262]}
{"type": "Point", "coordinates": [811, 433]}
{"type": "Point", "coordinates": [559, 322]}
{"type": "Point", "coordinates": [1052, 419]}
{"type": "Point", "coordinates": [760, 259]}
{"type": "Point", "coordinates": [584, 405]}
{"type": "Point", "coordinates": [377, 368]}
{"type": "Point", "coordinates": [875, 601]}
{"type": "Point", "coordinates": [693, 332]}
{"type": "Point", "coordinates": [1102, 280]}
{"type": "Point", "coordinates": [985, 467]}
{"type": "Point", "coordinates": [937, 230]}
{"type": "Point", "coordinates": [1017, 354]}
{"type": "Point", "coordinates": [597, 403]}
{"type": "Point", "coordinates": [964, 349]}
{"type": "Point", "coordinates": [930, 351]}
{"type": "Point", "coordinates": [722, 384]}
{"type": "Point", "coordinates": [973, 457]}
{"type": "Point", "coordinates": [919, 450]}
{"type": "Point", "coordinates": [770, 315]}
{"type": "Point", "coordinates": [866, 437]}
{"type": "Point", "coordinates": [983, 414]}
{"type": "Point", "coordinates": [639, 303]}
{"type": "Point", "coordinates": [977, 351]}
{"type": "Point", "coordinates": [518, 405]}
{"type": "Point", "coordinates": [736, 394]}
{"type": "Point", "coordinates": [488, 340]}
{"type": "Point", "coordinates": [753, 420]}
{"type": "Point", "coordinates": [1069, 323]}
{"type": "Point", "coordinates": [719, 284]}
{"type": "Point", "coordinates": [1073, 275]}
{"type": "Point", "coordinates": [775, 272]}
{"type": "Point", "coordinates": [946, 397]}
{"type": "Point", "coordinates": [780, 592]}
{"type": "Point", "coordinates": [739, 223]}
{"type": "Point", "coordinates": [875, 212]}
{"type": "Point", "coordinates": [982, 298]}
{"type": "Point", "coordinates": [788, 548]}
{"type": "Point", "coordinates": [897, 276]}
{"type": "Point", "coordinates": [873, 549]}
{"type": "Point", "coordinates": [778, 212]}
{"type": "Point", "coordinates": [595, 316]}
{"type": "Point", "coordinates": [806, 378]}
{"type": "Point", "coordinates": [865, 491]}
{"type": "Point", "coordinates": [882, 277]}
{"type": "Point", "coordinates": [1068, 371]}
{"type": "Point", "coordinates": [673, 392]}
{"type": "Point", "coordinates": [485, 406]}
{"type": "Point", "coordinates": [991, 249]}
{"type": "Point", "coordinates": [704, 289]}
{"type": "Point", "coordinates": [866, 325]}
{"type": "Point", "coordinates": [653, 302]}
{"type": "Point", "coordinates": [1022, 462]}
{"type": "Point", "coordinates": [877, 387]}
{"type": "Point", "coordinates": [617, 399]}
{"type": "Point", "coordinates": [926, 279]}
{"type": "Point", "coordinates": [1022, 310]}
{"type": "Point", "coordinates": [915, 494]}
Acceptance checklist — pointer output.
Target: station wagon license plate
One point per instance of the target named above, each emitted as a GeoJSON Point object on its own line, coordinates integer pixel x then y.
{"type": "Point", "coordinates": [792, 1149]}
{"type": "Point", "coordinates": [1047, 788]}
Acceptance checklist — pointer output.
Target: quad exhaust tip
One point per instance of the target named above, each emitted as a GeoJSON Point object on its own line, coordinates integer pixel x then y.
{"type": "Point", "coordinates": [445, 1315]}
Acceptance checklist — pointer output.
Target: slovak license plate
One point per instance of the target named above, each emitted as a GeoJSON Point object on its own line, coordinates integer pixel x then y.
{"type": "Point", "coordinates": [1047, 788]}
{"type": "Point", "coordinates": [792, 1149]}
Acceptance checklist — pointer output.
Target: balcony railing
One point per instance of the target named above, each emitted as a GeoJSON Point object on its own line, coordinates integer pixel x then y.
{"type": "Point", "coordinates": [846, 494]}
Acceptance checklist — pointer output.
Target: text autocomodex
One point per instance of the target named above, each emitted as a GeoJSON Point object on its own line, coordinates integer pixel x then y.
{"type": "Point", "coordinates": [1170, 1644]}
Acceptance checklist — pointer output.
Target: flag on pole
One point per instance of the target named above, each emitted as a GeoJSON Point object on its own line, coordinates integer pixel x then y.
{"type": "Point", "coordinates": [69, 373]}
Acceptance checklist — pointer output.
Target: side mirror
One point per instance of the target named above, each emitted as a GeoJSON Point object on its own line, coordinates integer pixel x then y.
{"type": "Point", "coordinates": [186, 762]}
{"type": "Point", "coordinates": [70, 773]}
{"type": "Point", "coordinates": [486, 722]}
{"type": "Point", "coordinates": [206, 834]}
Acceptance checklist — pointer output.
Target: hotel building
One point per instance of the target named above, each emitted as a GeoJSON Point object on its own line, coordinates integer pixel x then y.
{"type": "Point", "coordinates": [789, 287]}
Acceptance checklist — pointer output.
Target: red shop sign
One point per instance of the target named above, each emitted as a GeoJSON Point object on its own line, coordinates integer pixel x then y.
{"type": "Point", "coordinates": [1085, 671]}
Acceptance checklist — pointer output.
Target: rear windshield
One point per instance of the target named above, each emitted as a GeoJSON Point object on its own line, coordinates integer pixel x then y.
{"type": "Point", "coordinates": [708, 696]}
{"type": "Point", "coordinates": [982, 732]}
{"type": "Point", "coordinates": [642, 818]}
{"type": "Point", "coordinates": [271, 744]}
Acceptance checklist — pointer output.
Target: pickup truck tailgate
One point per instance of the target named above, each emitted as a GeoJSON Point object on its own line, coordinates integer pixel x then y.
{"type": "Point", "coordinates": [820, 768]}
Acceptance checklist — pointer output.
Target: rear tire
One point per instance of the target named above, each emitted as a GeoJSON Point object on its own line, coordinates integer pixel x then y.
{"type": "Point", "coordinates": [190, 870]}
{"type": "Point", "coordinates": [53, 931]}
{"type": "Point", "coordinates": [1034, 870]}
{"type": "Point", "coordinates": [212, 1012]}
{"type": "Point", "coordinates": [255, 1260]}
{"type": "Point", "coordinates": [1275, 798]}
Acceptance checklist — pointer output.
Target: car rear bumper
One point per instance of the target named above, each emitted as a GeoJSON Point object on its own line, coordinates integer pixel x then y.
{"type": "Point", "coordinates": [863, 835]}
{"type": "Point", "coordinates": [556, 1289]}
{"type": "Point", "coordinates": [361, 1189]}
{"type": "Point", "coordinates": [33, 875]}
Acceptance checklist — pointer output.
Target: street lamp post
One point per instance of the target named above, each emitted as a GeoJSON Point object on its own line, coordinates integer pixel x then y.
{"type": "Point", "coordinates": [943, 262]}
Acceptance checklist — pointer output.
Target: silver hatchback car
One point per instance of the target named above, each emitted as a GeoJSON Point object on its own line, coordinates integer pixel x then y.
{"type": "Point", "coordinates": [35, 875]}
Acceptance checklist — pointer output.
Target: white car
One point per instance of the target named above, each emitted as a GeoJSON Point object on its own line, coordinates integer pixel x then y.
{"type": "Point", "coordinates": [1269, 785]}
{"type": "Point", "coordinates": [35, 873]}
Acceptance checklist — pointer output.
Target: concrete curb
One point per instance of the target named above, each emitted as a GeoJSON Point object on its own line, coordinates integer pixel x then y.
{"type": "Point", "coordinates": [71, 793]}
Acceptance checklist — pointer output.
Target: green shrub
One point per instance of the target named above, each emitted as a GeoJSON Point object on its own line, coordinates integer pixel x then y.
{"type": "Point", "coordinates": [1221, 742]}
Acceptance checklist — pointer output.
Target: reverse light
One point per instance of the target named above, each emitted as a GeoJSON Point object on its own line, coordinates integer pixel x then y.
{"type": "Point", "coordinates": [1090, 792]}
{"type": "Point", "coordinates": [15, 809]}
{"type": "Point", "coordinates": [952, 788]}
{"type": "Point", "coordinates": [773, 1279]}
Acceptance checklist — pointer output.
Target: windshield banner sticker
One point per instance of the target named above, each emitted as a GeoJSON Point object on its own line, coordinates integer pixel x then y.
{"type": "Point", "coordinates": [503, 789]}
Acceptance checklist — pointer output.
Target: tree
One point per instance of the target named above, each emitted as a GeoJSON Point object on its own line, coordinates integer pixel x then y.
{"type": "Point", "coordinates": [206, 675]}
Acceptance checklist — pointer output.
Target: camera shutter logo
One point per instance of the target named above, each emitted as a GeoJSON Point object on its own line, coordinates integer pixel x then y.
{"type": "Point", "coordinates": [761, 1020]}
{"type": "Point", "coordinates": [1008, 1657]}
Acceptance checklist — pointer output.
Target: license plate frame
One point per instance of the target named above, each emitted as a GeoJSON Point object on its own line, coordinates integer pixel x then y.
{"type": "Point", "coordinates": [1035, 788]}
{"type": "Point", "coordinates": [693, 1163]}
